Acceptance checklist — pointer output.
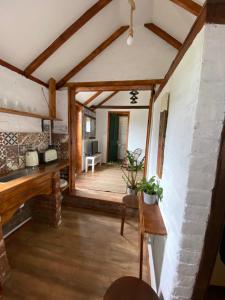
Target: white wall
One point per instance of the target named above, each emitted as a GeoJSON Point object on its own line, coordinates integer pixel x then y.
{"type": "Point", "coordinates": [195, 118]}
{"type": "Point", "coordinates": [137, 123]}
{"type": "Point", "coordinates": [137, 129]}
{"type": "Point", "coordinates": [29, 95]}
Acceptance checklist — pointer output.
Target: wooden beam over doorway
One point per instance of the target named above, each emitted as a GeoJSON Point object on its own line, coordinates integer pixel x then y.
{"type": "Point", "coordinates": [90, 13]}
{"type": "Point", "coordinates": [189, 5]}
{"type": "Point", "coordinates": [163, 35]}
{"type": "Point", "coordinates": [125, 85]}
{"type": "Point", "coordinates": [92, 55]}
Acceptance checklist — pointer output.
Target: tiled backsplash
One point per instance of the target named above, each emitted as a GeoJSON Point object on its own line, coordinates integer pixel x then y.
{"type": "Point", "coordinates": [61, 143]}
{"type": "Point", "coordinates": [13, 146]}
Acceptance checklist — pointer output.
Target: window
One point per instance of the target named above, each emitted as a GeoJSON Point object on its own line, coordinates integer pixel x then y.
{"type": "Point", "coordinates": [88, 125]}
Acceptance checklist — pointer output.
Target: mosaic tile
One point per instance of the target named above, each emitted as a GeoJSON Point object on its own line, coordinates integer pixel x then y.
{"type": "Point", "coordinates": [3, 167]}
{"type": "Point", "coordinates": [2, 153]}
{"type": "Point", "coordinates": [12, 151]}
{"type": "Point", "coordinates": [1, 138]}
{"type": "Point", "coordinates": [10, 138]}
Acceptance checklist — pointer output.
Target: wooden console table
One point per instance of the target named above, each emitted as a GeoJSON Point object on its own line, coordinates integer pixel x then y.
{"type": "Point", "coordinates": [150, 222]}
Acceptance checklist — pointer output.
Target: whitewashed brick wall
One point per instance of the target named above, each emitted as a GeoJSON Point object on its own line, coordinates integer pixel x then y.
{"type": "Point", "coordinates": [196, 113]}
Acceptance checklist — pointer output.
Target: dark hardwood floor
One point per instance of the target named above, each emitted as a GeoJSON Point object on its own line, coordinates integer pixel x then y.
{"type": "Point", "coordinates": [78, 261]}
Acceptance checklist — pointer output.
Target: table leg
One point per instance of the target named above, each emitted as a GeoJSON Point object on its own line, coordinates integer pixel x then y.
{"type": "Point", "coordinates": [86, 165]}
{"type": "Point", "coordinates": [123, 219]}
{"type": "Point", "coordinates": [93, 166]}
{"type": "Point", "coordinates": [141, 254]}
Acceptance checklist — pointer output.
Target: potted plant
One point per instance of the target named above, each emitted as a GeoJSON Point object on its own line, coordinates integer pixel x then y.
{"type": "Point", "coordinates": [130, 171]}
{"type": "Point", "coordinates": [151, 189]}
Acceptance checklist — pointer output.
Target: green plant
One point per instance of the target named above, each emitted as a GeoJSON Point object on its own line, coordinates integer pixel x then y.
{"type": "Point", "coordinates": [131, 171]}
{"type": "Point", "coordinates": [150, 187]}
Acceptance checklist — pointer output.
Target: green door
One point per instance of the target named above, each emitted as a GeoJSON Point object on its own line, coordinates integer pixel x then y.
{"type": "Point", "coordinates": [113, 137]}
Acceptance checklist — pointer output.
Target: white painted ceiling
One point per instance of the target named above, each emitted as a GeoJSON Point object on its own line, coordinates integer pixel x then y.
{"type": "Point", "coordinates": [27, 27]}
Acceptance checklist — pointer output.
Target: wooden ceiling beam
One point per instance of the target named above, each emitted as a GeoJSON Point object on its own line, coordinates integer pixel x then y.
{"type": "Point", "coordinates": [189, 5]}
{"type": "Point", "coordinates": [121, 107]}
{"type": "Point", "coordinates": [21, 72]}
{"type": "Point", "coordinates": [90, 13]}
{"type": "Point", "coordinates": [124, 85]}
{"type": "Point", "coordinates": [92, 55]}
{"type": "Point", "coordinates": [105, 100]}
{"type": "Point", "coordinates": [164, 35]}
{"type": "Point", "coordinates": [92, 98]}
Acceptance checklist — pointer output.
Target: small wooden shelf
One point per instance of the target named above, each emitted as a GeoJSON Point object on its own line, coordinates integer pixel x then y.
{"type": "Point", "coordinates": [27, 114]}
{"type": "Point", "coordinates": [152, 221]}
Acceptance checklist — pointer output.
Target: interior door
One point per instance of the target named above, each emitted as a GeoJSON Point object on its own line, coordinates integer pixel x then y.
{"type": "Point", "coordinates": [122, 138]}
{"type": "Point", "coordinates": [113, 137]}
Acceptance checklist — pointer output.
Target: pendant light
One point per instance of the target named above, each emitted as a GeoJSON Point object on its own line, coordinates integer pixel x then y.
{"type": "Point", "coordinates": [130, 38]}
{"type": "Point", "coordinates": [134, 97]}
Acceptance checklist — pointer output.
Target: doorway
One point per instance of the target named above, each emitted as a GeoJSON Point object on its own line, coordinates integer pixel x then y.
{"type": "Point", "coordinates": [117, 140]}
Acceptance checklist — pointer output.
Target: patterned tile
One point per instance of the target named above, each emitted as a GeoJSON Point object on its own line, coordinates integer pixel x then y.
{"type": "Point", "coordinates": [2, 153]}
{"type": "Point", "coordinates": [12, 151]}
{"type": "Point", "coordinates": [3, 167]}
{"type": "Point", "coordinates": [1, 138]}
{"type": "Point", "coordinates": [10, 138]}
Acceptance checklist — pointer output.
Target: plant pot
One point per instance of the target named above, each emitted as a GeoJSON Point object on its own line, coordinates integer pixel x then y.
{"type": "Point", "coordinates": [131, 191]}
{"type": "Point", "coordinates": [150, 199]}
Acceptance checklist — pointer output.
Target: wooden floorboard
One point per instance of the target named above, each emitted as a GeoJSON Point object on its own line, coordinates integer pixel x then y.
{"type": "Point", "coordinates": [79, 260]}
{"type": "Point", "coordinates": [106, 178]}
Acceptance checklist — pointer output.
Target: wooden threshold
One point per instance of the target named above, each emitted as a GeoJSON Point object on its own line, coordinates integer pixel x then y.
{"type": "Point", "coordinates": [99, 195]}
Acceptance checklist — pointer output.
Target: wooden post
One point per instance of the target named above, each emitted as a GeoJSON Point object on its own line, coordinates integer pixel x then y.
{"type": "Point", "coordinates": [72, 138]}
{"type": "Point", "coordinates": [149, 129]}
{"type": "Point", "coordinates": [52, 98]}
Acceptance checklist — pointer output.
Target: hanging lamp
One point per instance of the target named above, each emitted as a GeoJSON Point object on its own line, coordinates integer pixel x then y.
{"type": "Point", "coordinates": [130, 38]}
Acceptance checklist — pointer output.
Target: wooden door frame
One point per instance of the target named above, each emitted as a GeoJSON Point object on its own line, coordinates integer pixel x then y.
{"type": "Point", "coordinates": [119, 113]}
{"type": "Point", "coordinates": [74, 88]}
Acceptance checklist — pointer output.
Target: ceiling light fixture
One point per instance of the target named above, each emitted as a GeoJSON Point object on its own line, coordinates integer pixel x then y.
{"type": "Point", "coordinates": [134, 97]}
{"type": "Point", "coordinates": [130, 38]}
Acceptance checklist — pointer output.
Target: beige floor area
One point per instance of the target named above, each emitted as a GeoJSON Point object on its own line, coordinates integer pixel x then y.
{"type": "Point", "coordinates": [106, 178]}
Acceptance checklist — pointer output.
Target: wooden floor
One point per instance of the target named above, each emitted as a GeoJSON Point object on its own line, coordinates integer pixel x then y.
{"type": "Point", "coordinates": [106, 178]}
{"type": "Point", "coordinates": [77, 261]}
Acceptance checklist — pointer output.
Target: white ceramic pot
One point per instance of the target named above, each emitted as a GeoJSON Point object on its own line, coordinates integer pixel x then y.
{"type": "Point", "coordinates": [150, 199]}
{"type": "Point", "coordinates": [131, 191]}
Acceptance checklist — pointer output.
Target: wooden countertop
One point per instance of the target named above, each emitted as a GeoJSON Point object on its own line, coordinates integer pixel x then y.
{"type": "Point", "coordinates": [40, 171]}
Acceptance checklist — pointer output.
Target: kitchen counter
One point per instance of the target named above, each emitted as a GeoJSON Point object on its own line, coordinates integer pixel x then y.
{"type": "Point", "coordinates": [43, 187]}
{"type": "Point", "coordinates": [36, 173]}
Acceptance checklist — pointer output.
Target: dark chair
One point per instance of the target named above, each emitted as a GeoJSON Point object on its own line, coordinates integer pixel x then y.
{"type": "Point", "coordinates": [129, 201]}
{"type": "Point", "coordinates": [130, 288]}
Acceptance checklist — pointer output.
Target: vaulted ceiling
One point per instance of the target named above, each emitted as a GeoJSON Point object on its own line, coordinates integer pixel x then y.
{"type": "Point", "coordinates": [28, 27]}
